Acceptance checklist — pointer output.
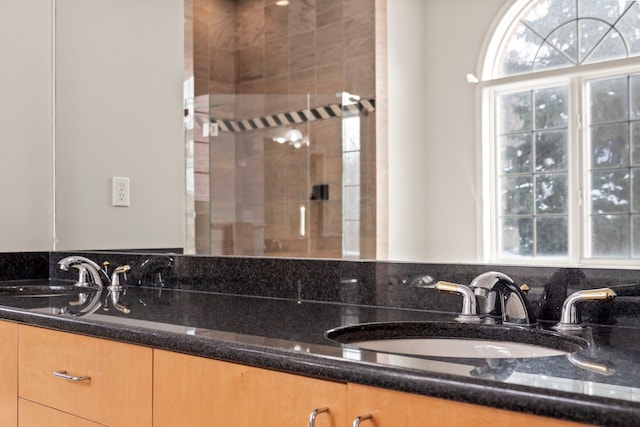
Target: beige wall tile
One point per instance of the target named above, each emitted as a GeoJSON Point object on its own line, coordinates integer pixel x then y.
{"type": "Point", "coordinates": [276, 21]}
{"type": "Point", "coordinates": [222, 151]}
{"type": "Point", "coordinates": [302, 51]}
{"type": "Point", "coordinates": [358, 7]}
{"type": "Point", "coordinates": [218, 87]}
{"type": "Point", "coordinates": [301, 83]}
{"type": "Point", "coordinates": [330, 15]}
{"type": "Point", "coordinates": [276, 57]}
{"type": "Point", "coordinates": [201, 61]}
{"type": "Point", "coordinates": [360, 76]}
{"type": "Point", "coordinates": [277, 86]}
{"type": "Point", "coordinates": [250, 87]}
{"type": "Point", "coordinates": [330, 78]}
{"type": "Point", "coordinates": [249, 29]}
{"type": "Point", "coordinates": [222, 25]}
{"type": "Point", "coordinates": [329, 44]}
{"type": "Point", "coordinates": [251, 63]}
{"type": "Point", "coordinates": [222, 67]}
{"type": "Point", "coordinates": [302, 16]}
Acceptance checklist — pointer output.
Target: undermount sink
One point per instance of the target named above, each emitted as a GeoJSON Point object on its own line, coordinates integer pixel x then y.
{"type": "Point", "coordinates": [454, 340]}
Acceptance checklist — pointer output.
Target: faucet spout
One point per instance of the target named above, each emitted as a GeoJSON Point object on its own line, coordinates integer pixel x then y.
{"type": "Point", "coordinates": [514, 304]}
{"type": "Point", "coordinates": [84, 266]}
{"type": "Point", "coordinates": [498, 296]}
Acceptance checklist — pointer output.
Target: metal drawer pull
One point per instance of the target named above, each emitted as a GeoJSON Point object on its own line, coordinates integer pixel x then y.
{"type": "Point", "coordinates": [314, 413]}
{"type": "Point", "coordinates": [356, 421]}
{"type": "Point", "coordinates": [64, 376]}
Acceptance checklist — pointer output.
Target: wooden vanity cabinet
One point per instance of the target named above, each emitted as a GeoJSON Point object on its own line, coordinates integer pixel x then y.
{"type": "Point", "coordinates": [8, 374]}
{"type": "Point", "coordinates": [117, 388]}
{"type": "Point", "coordinates": [194, 391]}
{"type": "Point", "coordinates": [34, 414]}
{"type": "Point", "coordinates": [390, 408]}
{"type": "Point", "coordinates": [132, 385]}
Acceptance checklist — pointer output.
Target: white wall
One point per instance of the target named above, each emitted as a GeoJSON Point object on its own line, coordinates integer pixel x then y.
{"type": "Point", "coordinates": [119, 72]}
{"type": "Point", "coordinates": [26, 125]}
{"type": "Point", "coordinates": [434, 197]}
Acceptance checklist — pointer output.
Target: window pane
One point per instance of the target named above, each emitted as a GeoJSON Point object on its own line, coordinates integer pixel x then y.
{"type": "Point", "coordinates": [610, 191]}
{"type": "Point", "coordinates": [563, 33]}
{"type": "Point", "coordinates": [551, 151]}
{"type": "Point", "coordinates": [610, 145]}
{"type": "Point", "coordinates": [517, 195]}
{"type": "Point", "coordinates": [564, 40]}
{"type": "Point", "coordinates": [515, 112]}
{"type": "Point", "coordinates": [628, 27]}
{"type": "Point", "coordinates": [551, 194]}
{"type": "Point", "coordinates": [515, 153]}
{"type": "Point", "coordinates": [517, 237]}
{"type": "Point", "coordinates": [608, 11]}
{"type": "Point", "coordinates": [520, 51]}
{"type": "Point", "coordinates": [351, 201]}
{"type": "Point", "coordinates": [549, 57]}
{"type": "Point", "coordinates": [610, 235]}
{"type": "Point", "coordinates": [635, 224]}
{"type": "Point", "coordinates": [634, 83]}
{"type": "Point", "coordinates": [550, 14]}
{"type": "Point", "coordinates": [635, 141]}
{"type": "Point", "coordinates": [609, 100]}
{"type": "Point", "coordinates": [612, 47]}
{"type": "Point", "coordinates": [551, 107]}
{"type": "Point", "coordinates": [635, 186]}
{"type": "Point", "coordinates": [551, 236]}
{"type": "Point", "coordinates": [351, 238]}
{"type": "Point", "coordinates": [351, 168]}
{"type": "Point", "coordinates": [591, 32]}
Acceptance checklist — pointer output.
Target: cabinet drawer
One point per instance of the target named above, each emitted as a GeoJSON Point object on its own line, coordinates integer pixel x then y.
{"type": "Point", "coordinates": [8, 374]}
{"type": "Point", "coordinates": [35, 415]}
{"type": "Point", "coordinates": [117, 391]}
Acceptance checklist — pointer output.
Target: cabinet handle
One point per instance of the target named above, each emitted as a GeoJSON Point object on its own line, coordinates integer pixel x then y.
{"type": "Point", "coordinates": [64, 376]}
{"type": "Point", "coordinates": [314, 413]}
{"type": "Point", "coordinates": [356, 420]}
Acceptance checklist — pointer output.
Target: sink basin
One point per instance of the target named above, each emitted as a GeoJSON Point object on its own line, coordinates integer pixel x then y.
{"type": "Point", "coordinates": [455, 340]}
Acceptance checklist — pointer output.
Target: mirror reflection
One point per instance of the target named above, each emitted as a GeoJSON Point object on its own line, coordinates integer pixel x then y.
{"type": "Point", "coordinates": [415, 184]}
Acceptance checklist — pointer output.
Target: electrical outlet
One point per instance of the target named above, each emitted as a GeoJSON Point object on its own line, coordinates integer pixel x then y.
{"type": "Point", "coordinates": [120, 191]}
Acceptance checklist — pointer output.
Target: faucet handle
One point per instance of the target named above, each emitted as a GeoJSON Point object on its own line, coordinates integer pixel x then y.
{"type": "Point", "coordinates": [469, 305]}
{"type": "Point", "coordinates": [115, 277]}
{"type": "Point", "coordinates": [570, 318]}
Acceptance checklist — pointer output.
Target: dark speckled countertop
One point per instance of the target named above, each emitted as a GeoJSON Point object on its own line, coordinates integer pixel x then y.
{"type": "Point", "coordinates": [286, 332]}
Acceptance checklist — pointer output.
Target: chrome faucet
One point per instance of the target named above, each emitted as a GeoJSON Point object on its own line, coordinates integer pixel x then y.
{"type": "Point", "coordinates": [86, 268]}
{"type": "Point", "coordinates": [492, 295]}
{"type": "Point", "coordinates": [499, 296]}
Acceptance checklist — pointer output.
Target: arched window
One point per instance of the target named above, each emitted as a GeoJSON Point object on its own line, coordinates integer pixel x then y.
{"type": "Point", "coordinates": [561, 118]}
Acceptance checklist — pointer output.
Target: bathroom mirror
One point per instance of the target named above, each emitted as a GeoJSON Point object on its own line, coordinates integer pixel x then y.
{"type": "Point", "coordinates": [117, 117]}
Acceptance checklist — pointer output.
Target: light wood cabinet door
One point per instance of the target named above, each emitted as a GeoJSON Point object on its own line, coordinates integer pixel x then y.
{"type": "Point", "coordinates": [194, 391]}
{"type": "Point", "coordinates": [118, 392]}
{"type": "Point", "coordinates": [395, 409]}
{"type": "Point", "coordinates": [8, 374]}
{"type": "Point", "coordinates": [35, 415]}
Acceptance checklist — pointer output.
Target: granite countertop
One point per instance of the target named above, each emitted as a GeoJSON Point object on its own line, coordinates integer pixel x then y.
{"type": "Point", "coordinates": [289, 335]}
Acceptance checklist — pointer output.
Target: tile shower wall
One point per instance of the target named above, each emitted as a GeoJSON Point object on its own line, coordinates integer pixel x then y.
{"type": "Point", "coordinates": [270, 57]}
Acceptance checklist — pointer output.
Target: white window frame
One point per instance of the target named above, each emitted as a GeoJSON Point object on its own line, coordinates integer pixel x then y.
{"type": "Point", "coordinates": [578, 155]}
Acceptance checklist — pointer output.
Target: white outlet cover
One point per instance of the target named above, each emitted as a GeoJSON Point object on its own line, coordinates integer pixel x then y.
{"type": "Point", "coordinates": [120, 191]}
